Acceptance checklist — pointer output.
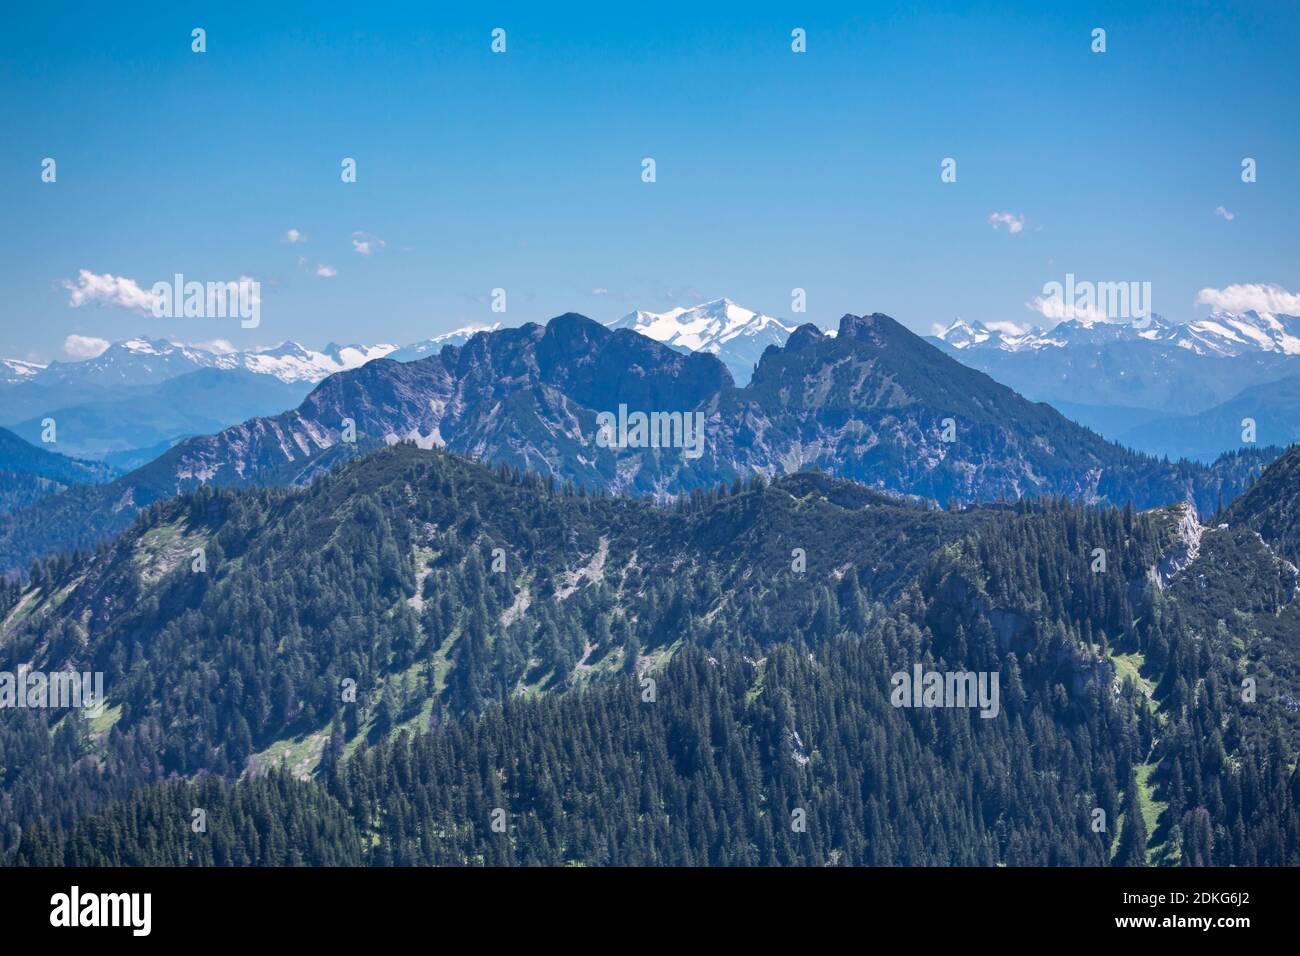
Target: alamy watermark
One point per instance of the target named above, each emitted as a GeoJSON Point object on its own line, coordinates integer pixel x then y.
{"type": "Point", "coordinates": [684, 430]}
{"type": "Point", "coordinates": [129, 910]}
{"type": "Point", "coordinates": [178, 299]}
{"type": "Point", "coordinates": [60, 690]}
{"type": "Point", "coordinates": [1095, 301]}
{"type": "Point", "coordinates": [924, 688]}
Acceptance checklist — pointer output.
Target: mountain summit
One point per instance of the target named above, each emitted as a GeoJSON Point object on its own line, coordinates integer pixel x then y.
{"type": "Point", "coordinates": [735, 334]}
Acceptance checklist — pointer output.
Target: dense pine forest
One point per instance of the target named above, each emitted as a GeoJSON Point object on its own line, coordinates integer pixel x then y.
{"type": "Point", "coordinates": [423, 660]}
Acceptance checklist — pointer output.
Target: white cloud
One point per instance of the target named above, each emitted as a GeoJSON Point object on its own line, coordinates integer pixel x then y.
{"type": "Point", "coordinates": [1015, 223]}
{"type": "Point", "coordinates": [600, 290]}
{"type": "Point", "coordinates": [294, 236]}
{"type": "Point", "coordinates": [253, 289]}
{"type": "Point", "coordinates": [1220, 211]}
{"type": "Point", "coordinates": [220, 346]}
{"type": "Point", "coordinates": [326, 272]}
{"type": "Point", "coordinates": [1266, 297]}
{"type": "Point", "coordinates": [1007, 328]}
{"type": "Point", "coordinates": [1056, 309]}
{"type": "Point", "coordinates": [84, 346]}
{"type": "Point", "coordinates": [365, 243]}
{"type": "Point", "coordinates": [108, 290]}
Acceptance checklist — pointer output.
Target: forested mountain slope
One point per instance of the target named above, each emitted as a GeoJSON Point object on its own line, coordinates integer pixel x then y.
{"type": "Point", "coordinates": [19, 457]}
{"type": "Point", "coordinates": [29, 473]}
{"type": "Point", "coordinates": [445, 589]}
{"type": "Point", "coordinates": [1272, 506]}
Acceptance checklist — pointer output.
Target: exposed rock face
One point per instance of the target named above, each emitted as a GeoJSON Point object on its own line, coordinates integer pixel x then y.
{"type": "Point", "coordinates": [1183, 554]}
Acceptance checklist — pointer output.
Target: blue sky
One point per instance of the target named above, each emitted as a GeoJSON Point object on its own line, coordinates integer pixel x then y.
{"type": "Point", "coordinates": [523, 170]}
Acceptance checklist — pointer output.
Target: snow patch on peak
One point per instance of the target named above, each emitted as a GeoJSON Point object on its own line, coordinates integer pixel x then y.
{"type": "Point", "coordinates": [144, 346]}
{"type": "Point", "coordinates": [419, 350]}
{"type": "Point", "coordinates": [962, 334]}
{"type": "Point", "coordinates": [703, 328]}
{"type": "Point", "coordinates": [465, 333]}
{"type": "Point", "coordinates": [21, 368]}
{"type": "Point", "coordinates": [735, 334]}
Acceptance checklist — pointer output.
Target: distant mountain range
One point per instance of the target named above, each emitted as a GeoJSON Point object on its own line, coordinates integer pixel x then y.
{"type": "Point", "coordinates": [1155, 365]}
{"type": "Point", "coordinates": [875, 404]}
{"type": "Point", "coordinates": [1159, 387]}
{"type": "Point", "coordinates": [870, 404]}
{"type": "Point", "coordinates": [1222, 334]}
{"type": "Point", "coordinates": [869, 401]}
{"type": "Point", "coordinates": [1177, 369]}
{"type": "Point", "coordinates": [149, 361]}
{"type": "Point", "coordinates": [736, 335]}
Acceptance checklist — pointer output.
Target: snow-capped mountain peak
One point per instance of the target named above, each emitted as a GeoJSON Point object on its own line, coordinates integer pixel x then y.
{"type": "Point", "coordinates": [463, 334]}
{"type": "Point", "coordinates": [13, 371]}
{"type": "Point", "coordinates": [293, 362]}
{"type": "Point", "coordinates": [735, 334]}
{"type": "Point", "coordinates": [1234, 333]}
{"type": "Point", "coordinates": [703, 327]}
{"type": "Point", "coordinates": [1007, 336]}
{"type": "Point", "coordinates": [962, 334]}
{"type": "Point", "coordinates": [419, 350]}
